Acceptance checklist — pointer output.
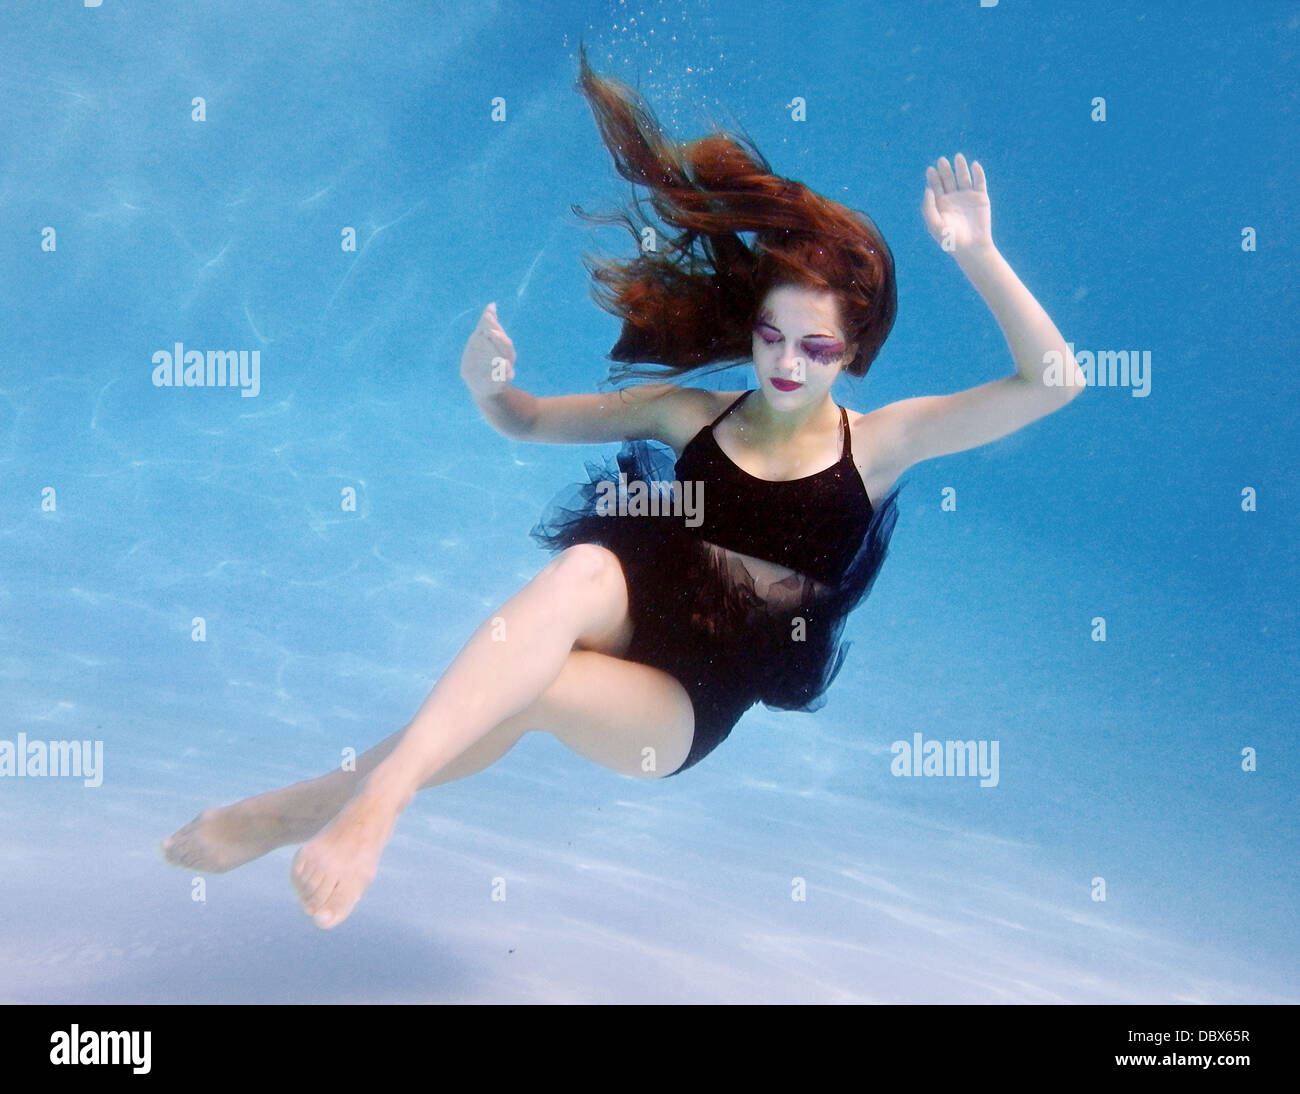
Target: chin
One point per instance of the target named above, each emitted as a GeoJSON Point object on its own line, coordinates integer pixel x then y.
{"type": "Point", "coordinates": [803, 393]}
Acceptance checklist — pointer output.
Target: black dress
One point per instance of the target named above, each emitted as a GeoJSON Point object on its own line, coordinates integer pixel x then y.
{"type": "Point", "coordinates": [812, 545]}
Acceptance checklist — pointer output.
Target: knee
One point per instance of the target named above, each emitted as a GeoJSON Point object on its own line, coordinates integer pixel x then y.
{"type": "Point", "coordinates": [668, 761]}
{"type": "Point", "coordinates": [588, 564]}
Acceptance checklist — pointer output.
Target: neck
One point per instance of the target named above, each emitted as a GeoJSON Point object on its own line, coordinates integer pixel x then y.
{"type": "Point", "coordinates": [780, 426]}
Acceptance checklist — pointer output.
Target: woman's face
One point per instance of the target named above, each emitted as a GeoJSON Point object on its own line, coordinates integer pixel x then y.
{"type": "Point", "coordinates": [799, 346]}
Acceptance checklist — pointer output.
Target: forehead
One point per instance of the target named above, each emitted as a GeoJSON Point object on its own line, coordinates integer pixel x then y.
{"type": "Point", "coordinates": [789, 306]}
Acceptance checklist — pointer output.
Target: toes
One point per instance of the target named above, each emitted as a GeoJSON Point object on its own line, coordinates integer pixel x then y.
{"type": "Point", "coordinates": [183, 847]}
{"type": "Point", "coordinates": [338, 907]}
{"type": "Point", "coordinates": [301, 873]}
{"type": "Point", "coordinates": [307, 872]}
{"type": "Point", "coordinates": [177, 849]}
{"type": "Point", "coordinates": [316, 905]}
{"type": "Point", "coordinates": [175, 843]}
{"type": "Point", "coordinates": [326, 894]}
{"type": "Point", "coordinates": [310, 880]}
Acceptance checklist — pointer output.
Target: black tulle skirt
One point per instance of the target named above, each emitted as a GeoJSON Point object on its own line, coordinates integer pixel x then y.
{"type": "Point", "coordinates": [695, 608]}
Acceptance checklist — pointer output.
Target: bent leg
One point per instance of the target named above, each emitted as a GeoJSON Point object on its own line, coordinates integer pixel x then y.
{"type": "Point", "coordinates": [627, 717]}
{"type": "Point", "coordinates": [510, 677]}
{"type": "Point", "coordinates": [578, 600]}
{"type": "Point", "coordinates": [630, 718]}
{"type": "Point", "coordinates": [505, 668]}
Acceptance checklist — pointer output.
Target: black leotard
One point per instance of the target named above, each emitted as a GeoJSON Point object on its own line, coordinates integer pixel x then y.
{"type": "Point", "coordinates": [811, 524]}
{"type": "Point", "coordinates": [749, 606]}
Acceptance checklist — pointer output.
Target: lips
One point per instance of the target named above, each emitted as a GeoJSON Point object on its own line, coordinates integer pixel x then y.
{"type": "Point", "coordinates": [786, 385]}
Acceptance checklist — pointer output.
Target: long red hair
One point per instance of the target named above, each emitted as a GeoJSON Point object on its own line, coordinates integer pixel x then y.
{"type": "Point", "coordinates": [691, 302]}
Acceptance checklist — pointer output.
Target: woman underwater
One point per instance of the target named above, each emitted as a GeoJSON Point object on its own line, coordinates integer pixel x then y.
{"type": "Point", "coordinates": [641, 643]}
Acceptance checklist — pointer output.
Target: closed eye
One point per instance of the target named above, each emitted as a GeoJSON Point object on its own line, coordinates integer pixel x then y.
{"type": "Point", "coordinates": [821, 352]}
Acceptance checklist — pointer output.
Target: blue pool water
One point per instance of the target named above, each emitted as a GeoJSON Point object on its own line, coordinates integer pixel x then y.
{"type": "Point", "coordinates": [129, 510]}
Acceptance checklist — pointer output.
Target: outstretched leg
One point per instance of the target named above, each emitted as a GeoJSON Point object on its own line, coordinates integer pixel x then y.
{"type": "Point", "coordinates": [221, 839]}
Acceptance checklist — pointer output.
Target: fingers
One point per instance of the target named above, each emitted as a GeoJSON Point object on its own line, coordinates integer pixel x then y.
{"type": "Point", "coordinates": [490, 328]}
{"type": "Point", "coordinates": [943, 179]}
{"type": "Point", "coordinates": [962, 172]}
{"type": "Point", "coordinates": [494, 342]}
{"type": "Point", "coordinates": [930, 210]}
{"type": "Point", "coordinates": [946, 175]}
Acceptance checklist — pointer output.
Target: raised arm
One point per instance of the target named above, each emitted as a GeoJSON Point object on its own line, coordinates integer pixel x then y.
{"type": "Point", "coordinates": [488, 365]}
{"type": "Point", "coordinates": [957, 213]}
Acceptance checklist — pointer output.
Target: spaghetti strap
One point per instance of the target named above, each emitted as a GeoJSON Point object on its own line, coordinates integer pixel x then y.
{"type": "Point", "coordinates": [735, 403]}
{"type": "Point", "coordinates": [846, 448]}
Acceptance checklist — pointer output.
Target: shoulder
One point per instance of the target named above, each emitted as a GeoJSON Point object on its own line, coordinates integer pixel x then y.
{"type": "Point", "coordinates": [684, 411]}
{"type": "Point", "coordinates": [872, 452]}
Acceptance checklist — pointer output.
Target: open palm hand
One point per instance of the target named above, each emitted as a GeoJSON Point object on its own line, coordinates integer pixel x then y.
{"type": "Point", "coordinates": [956, 205]}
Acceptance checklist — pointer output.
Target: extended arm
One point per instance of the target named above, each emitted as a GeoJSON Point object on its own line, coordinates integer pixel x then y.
{"type": "Point", "coordinates": [957, 212]}
{"type": "Point", "coordinates": [488, 365]}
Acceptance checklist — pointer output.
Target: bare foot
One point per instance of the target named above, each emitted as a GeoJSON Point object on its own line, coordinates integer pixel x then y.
{"type": "Point", "coordinates": [333, 870]}
{"type": "Point", "coordinates": [218, 840]}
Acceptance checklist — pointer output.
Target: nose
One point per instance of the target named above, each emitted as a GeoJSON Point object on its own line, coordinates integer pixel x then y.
{"type": "Point", "coordinates": [792, 361]}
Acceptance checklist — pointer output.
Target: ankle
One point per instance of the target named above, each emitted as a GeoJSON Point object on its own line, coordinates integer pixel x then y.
{"type": "Point", "coordinates": [386, 792]}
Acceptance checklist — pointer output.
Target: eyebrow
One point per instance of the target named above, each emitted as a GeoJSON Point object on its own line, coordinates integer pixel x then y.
{"type": "Point", "coordinates": [765, 317]}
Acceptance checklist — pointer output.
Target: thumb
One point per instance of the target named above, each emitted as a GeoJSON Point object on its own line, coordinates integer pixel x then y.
{"type": "Point", "coordinates": [930, 211]}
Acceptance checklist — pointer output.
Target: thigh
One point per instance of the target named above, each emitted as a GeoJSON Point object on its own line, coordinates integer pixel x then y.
{"type": "Point", "coordinates": [596, 573]}
{"type": "Point", "coordinates": [628, 717]}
